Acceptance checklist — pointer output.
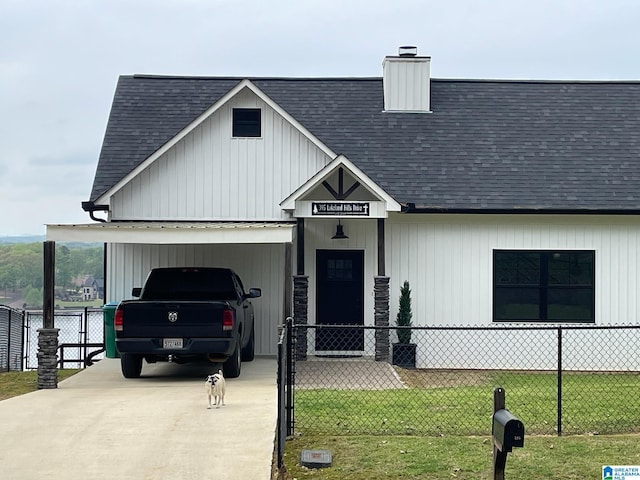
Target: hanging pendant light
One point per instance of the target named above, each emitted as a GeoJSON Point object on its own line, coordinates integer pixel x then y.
{"type": "Point", "coordinates": [339, 232]}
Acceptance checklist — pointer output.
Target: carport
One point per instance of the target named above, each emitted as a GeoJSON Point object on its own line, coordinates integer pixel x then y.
{"type": "Point", "coordinates": [260, 252]}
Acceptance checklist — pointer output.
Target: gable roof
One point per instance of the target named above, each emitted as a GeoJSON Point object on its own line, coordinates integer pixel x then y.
{"type": "Point", "coordinates": [487, 145]}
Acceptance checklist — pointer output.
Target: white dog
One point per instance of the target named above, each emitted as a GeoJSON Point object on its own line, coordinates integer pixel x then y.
{"type": "Point", "coordinates": [215, 387]}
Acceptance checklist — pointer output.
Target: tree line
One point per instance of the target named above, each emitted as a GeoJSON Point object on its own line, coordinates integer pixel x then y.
{"type": "Point", "coordinates": [22, 265]}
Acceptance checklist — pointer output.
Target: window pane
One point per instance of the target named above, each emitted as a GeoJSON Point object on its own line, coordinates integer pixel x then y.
{"type": "Point", "coordinates": [517, 268]}
{"type": "Point", "coordinates": [566, 304]}
{"type": "Point", "coordinates": [517, 303]}
{"type": "Point", "coordinates": [566, 268]}
{"type": "Point", "coordinates": [544, 285]}
{"type": "Point", "coordinates": [246, 122]}
{"type": "Point", "coordinates": [339, 270]}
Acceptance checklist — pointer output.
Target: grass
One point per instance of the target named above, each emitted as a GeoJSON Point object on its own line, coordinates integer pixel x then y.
{"type": "Point", "coordinates": [464, 458]}
{"type": "Point", "coordinates": [13, 384]}
{"type": "Point", "coordinates": [441, 429]}
{"type": "Point", "coordinates": [612, 401]}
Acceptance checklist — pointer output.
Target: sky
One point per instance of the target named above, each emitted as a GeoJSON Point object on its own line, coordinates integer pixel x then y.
{"type": "Point", "coordinates": [60, 61]}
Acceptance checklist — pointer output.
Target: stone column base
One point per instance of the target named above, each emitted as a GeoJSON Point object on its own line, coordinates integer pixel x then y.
{"type": "Point", "coordinates": [48, 358]}
{"type": "Point", "coordinates": [381, 313]}
{"type": "Point", "coordinates": [300, 312]}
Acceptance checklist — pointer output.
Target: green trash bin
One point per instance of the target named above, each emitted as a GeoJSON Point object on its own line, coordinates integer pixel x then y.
{"type": "Point", "coordinates": [109, 311]}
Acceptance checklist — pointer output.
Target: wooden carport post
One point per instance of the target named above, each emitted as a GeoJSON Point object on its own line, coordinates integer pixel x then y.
{"type": "Point", "coordinates": [48, 335]}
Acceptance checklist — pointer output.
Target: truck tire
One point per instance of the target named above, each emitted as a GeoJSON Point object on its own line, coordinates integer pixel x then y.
{"type": "Point", "coordinates": [233, 364]}
{"type": "Point", "coordinates": [248, 352]}
{"type": "Point", "coordinates": [131, 365]}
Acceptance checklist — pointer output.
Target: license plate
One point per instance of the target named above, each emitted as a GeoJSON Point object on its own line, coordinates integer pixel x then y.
{"type": "Point", "coordinates": [171, 343]}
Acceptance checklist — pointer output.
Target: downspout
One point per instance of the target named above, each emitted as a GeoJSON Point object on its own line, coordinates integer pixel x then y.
{"type": "Point", "coordinates": [91, 208]}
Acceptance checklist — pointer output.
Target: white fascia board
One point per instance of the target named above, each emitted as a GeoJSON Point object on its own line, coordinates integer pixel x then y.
{"type": "Point", "coordinates": [173, 233]}
{"type": "Point", "coordinates": [104, 199]}
{"type": "Point", "coordinates": [289, 203]}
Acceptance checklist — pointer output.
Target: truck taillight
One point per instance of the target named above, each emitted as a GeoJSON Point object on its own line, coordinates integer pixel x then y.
{"type": "Point", "coordinates": [118, 320]}
{"type": "Point", "coordinates": [227, 320]}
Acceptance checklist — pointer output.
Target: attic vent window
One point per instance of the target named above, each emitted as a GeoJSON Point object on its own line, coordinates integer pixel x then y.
{"type": "Point", "coordinates": [247, 122]}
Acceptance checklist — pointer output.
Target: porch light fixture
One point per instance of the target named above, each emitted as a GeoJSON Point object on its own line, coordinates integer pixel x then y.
{"type": "Point", "coordinates": [339, 232]}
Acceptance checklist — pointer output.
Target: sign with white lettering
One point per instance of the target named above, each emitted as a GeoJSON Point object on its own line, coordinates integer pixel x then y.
{"type": "Point", "coordinates": [357, 209]}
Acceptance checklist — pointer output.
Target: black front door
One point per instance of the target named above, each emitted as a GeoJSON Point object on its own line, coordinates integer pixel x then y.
{"type": "Point", "coordinates": [339, 299]}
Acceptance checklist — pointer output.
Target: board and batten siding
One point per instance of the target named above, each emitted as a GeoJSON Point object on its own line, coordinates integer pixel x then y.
{"type": "Point", "coordinates": [259, 266]}
{"type": "Point", "coordinates": [209, 175]}
{"type": "Point", "coordinates": [448, 260]}
{"type": "Point", "coordinates": [362, 236]}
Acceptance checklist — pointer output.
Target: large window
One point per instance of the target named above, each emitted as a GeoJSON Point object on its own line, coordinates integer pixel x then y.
{"type": "Point", "coordinates": [247, 122]}
{"type": "Point", "coordinates": [545, 286]}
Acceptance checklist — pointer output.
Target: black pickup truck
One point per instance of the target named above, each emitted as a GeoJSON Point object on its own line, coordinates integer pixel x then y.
{"type": "Point", "coordinates": [187, 314]}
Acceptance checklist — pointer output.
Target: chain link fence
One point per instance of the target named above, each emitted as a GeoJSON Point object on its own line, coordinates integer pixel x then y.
{"type": "Point", "coordinates": [81, 333]}
{"type": "Point", "coordinates": [558, 379]}
{"type": "Point", "coordinates": [11, 338]}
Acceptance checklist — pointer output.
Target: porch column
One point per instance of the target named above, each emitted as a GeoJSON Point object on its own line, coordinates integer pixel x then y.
{"type": "Point", "coordinates": [300, 309]}
{"type": "Point", "coordinates": [381, 300]}
{"type": "Point", "coordinates": [381, 313]}
{"type": "Point", "coordinates": [48, 336]}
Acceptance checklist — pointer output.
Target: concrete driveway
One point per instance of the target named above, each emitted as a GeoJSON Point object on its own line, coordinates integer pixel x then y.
{"type": "Point", "coordinates": [98, 425]}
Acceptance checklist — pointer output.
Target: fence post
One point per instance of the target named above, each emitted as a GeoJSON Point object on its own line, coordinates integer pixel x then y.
{"type": "Point", "coordinates": [281, 390]}
{"type": "Point", "coordinates": [290, 375]}
{"type": "Point", "coordinates": [499, 457]}
{"type": "Point", "coordinates": [559, 381]}
{"type": "Point", "coordinates": [9, 324]}
{"type": "Point", "coordinates": [23, 332]}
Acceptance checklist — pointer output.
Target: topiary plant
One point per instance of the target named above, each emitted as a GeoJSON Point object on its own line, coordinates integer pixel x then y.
{"type": "Point", "coordinates": [404, 314]}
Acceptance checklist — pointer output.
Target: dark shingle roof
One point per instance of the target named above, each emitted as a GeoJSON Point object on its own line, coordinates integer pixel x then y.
{"type": "Point", "coordinates": [487, 145]}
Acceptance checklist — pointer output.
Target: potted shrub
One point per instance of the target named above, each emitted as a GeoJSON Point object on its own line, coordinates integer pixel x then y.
{"type": "Point", "coordinates": [404, 352]}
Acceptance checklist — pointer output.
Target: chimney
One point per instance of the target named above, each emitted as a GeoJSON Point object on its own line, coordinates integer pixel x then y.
{"type": "Point", "coordinates": [406, 81]}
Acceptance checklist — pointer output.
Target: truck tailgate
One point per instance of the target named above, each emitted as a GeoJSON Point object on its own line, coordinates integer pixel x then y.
{"type": "Point", "coordinates": [170, 319]}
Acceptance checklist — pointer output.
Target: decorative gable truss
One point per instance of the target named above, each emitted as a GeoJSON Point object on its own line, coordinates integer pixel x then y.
{"type": "Point", "coordinates": [340, 190]}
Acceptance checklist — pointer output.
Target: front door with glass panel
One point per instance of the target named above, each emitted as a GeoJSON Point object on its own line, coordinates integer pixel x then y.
{"type": "Point", "coordinates": [339, 300]}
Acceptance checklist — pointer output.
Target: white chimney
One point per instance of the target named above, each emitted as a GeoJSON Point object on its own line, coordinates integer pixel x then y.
{"type": "Point", "coordinates": [406, 81]}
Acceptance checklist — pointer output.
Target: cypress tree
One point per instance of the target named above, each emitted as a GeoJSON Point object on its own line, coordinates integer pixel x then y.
{"type": "Point", "coordinates": [404, 314]}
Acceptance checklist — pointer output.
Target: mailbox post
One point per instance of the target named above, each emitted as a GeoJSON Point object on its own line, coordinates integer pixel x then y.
{"type": "Point", "coordinates": [507, 432]}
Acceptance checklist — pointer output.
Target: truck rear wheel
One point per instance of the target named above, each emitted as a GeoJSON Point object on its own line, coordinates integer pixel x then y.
{"type": "Point", "coordinates": [131, 365]}
{"type": "Point", "coordinates": [233, 364]}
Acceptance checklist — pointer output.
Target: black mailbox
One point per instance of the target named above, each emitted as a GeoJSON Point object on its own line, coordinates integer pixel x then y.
{"type": "Point", "coordinates": [507, 430]}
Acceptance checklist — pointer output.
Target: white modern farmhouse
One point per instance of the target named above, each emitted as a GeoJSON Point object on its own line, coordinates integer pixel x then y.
{"type": "Point", "coordinates": [499, 201]}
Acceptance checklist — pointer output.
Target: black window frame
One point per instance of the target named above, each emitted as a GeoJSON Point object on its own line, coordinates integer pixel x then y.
{"type": "Point", "coordinates": [246, 123]}
{"type": "Point", "coordinates": [544, 287]}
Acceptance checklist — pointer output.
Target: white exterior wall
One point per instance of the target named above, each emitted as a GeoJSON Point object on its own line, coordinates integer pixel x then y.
{"type": "Point", "coordinates": [211, 176]}
{"type": "Point", "coordinates": [259, 266]}
{"type": "Point", "coordinates": [448, 260]}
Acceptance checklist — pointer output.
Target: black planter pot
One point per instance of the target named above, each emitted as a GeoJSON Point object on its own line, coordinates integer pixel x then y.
{"type": "Point", "coordinates": [404, 355]}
